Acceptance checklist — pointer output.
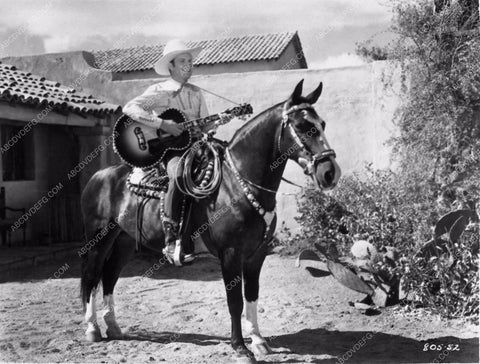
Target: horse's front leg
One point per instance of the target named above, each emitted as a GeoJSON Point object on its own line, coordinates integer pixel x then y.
{"type": "Point", "coordinates": [232, 277]}
{"type": "Point", "coordinates": [92, 333]}
{"type": "Point", "coordinates": [251, 274]}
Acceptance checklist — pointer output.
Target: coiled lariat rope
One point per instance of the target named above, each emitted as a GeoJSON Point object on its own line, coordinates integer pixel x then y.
{"type": "Point", "coordinates": [211, 179]}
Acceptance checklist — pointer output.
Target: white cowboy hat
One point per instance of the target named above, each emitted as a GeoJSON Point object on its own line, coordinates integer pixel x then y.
{"type": "Point", "coordinates": [172, 49]}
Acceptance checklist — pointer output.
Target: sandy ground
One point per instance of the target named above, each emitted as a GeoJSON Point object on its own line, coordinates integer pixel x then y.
{"type": "Point", "coordinates": [179, 315]}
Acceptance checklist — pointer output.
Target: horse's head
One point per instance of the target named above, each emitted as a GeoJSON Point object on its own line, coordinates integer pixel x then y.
{"type": "Point", "coordinates": [303, 138]}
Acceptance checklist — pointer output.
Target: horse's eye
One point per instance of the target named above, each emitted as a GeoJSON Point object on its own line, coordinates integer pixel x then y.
{"type": "Point", "coordinates": [323, 125]}
{"type": "Point", "coordinates": [303, 127]}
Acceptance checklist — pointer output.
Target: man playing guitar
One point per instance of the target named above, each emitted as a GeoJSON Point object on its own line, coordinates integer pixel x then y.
{"type": "Point", "coordinates": [176, 93]}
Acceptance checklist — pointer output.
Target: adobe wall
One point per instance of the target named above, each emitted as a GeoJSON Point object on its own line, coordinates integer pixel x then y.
{"type": "Point", "coordinates": [356, 105]}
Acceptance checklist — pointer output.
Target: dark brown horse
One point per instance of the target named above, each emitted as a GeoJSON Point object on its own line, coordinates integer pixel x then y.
{"type": "Point", "coordinates": [258, 154]}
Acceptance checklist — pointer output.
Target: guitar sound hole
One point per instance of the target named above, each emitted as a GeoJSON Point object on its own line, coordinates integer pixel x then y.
{"type": "Point", "coordinates": [140, 138]}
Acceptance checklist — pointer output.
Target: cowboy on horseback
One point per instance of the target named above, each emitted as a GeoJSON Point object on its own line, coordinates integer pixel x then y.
{"type": "Point", "coordinates": [174, 92]}
{"type": "Point", "coordinates": [235, 223]}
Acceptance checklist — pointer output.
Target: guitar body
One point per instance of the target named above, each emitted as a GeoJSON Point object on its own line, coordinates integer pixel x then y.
{"type": "Point", "coordinates": [142, 146]}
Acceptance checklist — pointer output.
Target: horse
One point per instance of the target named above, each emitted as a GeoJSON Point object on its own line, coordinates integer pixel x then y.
{"type": "Point", "coordinates": [252, 169]}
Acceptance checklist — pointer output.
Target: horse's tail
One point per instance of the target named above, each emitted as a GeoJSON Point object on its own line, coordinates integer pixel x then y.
{"type": "Point", "coordinates": [83, 278]}
{"type": "Point", "coordinates": [91, 274]}
{"type": "Point", "coordinates": [85, 289]}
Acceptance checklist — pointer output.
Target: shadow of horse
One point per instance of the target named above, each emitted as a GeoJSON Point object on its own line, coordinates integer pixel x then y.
{"type": "Point", "coordinates": [167, 337]}
{"type": "Point", "coordinates": [377, 347]}
{"type": "Point", "coordinates": [206, 268]}
{"type": "Point", "coordinates": [338, 346]}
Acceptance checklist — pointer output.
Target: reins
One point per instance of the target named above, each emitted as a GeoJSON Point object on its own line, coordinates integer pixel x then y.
{"type": "Point", "coordinates": [264, 188]}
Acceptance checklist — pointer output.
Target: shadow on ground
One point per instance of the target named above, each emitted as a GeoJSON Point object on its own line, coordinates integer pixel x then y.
{"type": "Point", "coordinates": [168, 337]}
{"type": "Point", "coordinates": [371, 347]}
{"type": "Point", "coordinates": [205, 268]}
{"type": "Point", "coordinates": [344, 345]}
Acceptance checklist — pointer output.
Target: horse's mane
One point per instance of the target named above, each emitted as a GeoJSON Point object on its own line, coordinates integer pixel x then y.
{"type": "Point", "coordinates": [247, 128]}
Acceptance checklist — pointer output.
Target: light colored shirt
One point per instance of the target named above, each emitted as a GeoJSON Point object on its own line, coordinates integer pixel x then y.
{"type": "Point", "coordinates": [165, 95]}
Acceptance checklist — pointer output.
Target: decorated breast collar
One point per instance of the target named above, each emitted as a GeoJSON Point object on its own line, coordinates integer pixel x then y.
{"type": "Point", "coordinates": [268, 216]}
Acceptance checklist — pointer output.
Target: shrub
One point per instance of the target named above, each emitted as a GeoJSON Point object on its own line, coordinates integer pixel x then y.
{"type": "Point", "coordinates": [376, 207]}
{"type": "Point", "coordinates": [437, 149]}
{"type": "Point", "coordinates": [386, 210]}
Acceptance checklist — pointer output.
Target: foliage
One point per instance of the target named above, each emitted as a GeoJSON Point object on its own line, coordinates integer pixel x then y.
{"type": "Point", "coordinates": [439, 121]}
{"type": "Point", "coordinates": [437, 153]}
{"type": "Point", "coordinates": [437, 150]}
{"type": "Point", "coordinates": [448, 283]}
{"type": "Point", "coordinates": [382, 208]}
{"type": "Point", "coordinates": [377, 207]}
{"type": "Point", "coordinates": [370, 52]}
{"type": "Point", "coordinates": [439, 137]}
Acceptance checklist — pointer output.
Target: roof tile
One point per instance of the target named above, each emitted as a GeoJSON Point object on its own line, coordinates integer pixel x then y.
{"type": "Point", "coordinates": [235, 49]}
{"type": "Point", "coordinates": [33, 90]}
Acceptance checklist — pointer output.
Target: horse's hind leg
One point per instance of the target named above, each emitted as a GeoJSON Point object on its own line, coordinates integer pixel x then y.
{"type": "Point", "coordinates": [251, 274]}
{"type": "Point", "coordinates": [123, 250]}
{"type": "Point", "coordinates": [95, 253]}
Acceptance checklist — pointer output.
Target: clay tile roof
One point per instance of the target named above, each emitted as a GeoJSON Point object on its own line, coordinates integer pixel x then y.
{"type": "Point", "coordinates": [24, 88]}
{"type": "Point", "coordinates": [236, 49]}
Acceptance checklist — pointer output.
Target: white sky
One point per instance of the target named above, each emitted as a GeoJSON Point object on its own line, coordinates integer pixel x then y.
{"type": "Point", "coordinates": [328, 29]}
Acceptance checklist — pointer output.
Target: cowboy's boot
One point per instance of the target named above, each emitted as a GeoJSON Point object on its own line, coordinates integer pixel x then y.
{"type": "Point", "coordinates": [173, 247]}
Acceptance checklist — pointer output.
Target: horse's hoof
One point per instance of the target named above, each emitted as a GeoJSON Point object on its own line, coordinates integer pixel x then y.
{"type": "Point", "coordinates": [262, 349]}
{"type": "Point", "coordinates": [93, 335]}
{"type": "Point", "coordinates": [114, 333]}
{"type": "Point", "coordinates": [245, 356]}
{"type": "Point", "coordinates": [245, 360]}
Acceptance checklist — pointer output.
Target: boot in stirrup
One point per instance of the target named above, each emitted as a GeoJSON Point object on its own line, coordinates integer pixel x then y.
{"type": "Point", "coordinates": [173, 248]}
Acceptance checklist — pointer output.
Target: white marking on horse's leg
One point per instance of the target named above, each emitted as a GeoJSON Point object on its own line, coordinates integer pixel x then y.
{"type": "Point", "coordinates": [93, 330]}
{"type": "Point", "coordinates": [113, 330]}
{"type": "Point", "coordinates": [252, 323]}
{"type": "Point", "coordinates": [259, 344]}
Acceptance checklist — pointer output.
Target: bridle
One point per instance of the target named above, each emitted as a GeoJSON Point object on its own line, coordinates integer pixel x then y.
{"type": "Point", "coordinates": [312, 158]}
{"type": "Point", "coordinates": [309, 169]}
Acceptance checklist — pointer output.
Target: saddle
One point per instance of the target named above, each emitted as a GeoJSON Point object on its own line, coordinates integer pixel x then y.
{"type": "Point", "coordinates": [151, 183]}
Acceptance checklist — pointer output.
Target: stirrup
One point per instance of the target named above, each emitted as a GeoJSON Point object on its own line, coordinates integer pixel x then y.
{"type": "Point", "coordinates": [177, 257]}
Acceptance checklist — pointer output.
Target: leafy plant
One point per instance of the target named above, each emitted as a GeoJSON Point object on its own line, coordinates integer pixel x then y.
{"type": "Point", "coordinates": [438, 50]}
{"type": "Point", "coordinates": [383, 209]}
{"type": "Point", "coordinates": [437, 150]}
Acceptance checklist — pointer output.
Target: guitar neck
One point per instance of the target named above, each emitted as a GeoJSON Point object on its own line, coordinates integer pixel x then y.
{"type": "Point", "coordinates": [200, 122]}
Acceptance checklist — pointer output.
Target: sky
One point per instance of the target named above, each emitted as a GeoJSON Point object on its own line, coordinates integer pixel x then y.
{"type": "Point", "coordinates": [328, 29]}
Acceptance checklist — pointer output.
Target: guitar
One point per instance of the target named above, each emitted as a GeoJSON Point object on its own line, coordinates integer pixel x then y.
{"type": "Point", "coordinates": [143, 146]}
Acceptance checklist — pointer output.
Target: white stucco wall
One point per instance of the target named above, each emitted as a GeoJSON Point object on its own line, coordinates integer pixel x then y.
{"type": "Point", "coordinates": [356, 105]}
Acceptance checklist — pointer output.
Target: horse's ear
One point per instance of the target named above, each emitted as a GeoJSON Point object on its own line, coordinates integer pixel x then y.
{"type": "Point", "coordinates": [313, 97]}
{"type": "Point", "coordinates": [297, 93]}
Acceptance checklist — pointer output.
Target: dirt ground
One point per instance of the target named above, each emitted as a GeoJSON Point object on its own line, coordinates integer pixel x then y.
{"type": "Point", "coordinates": [179, 315]}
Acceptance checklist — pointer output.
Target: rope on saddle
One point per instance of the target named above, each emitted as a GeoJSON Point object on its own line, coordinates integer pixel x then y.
{"type": "Point", "coordinates": [209, 180]}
